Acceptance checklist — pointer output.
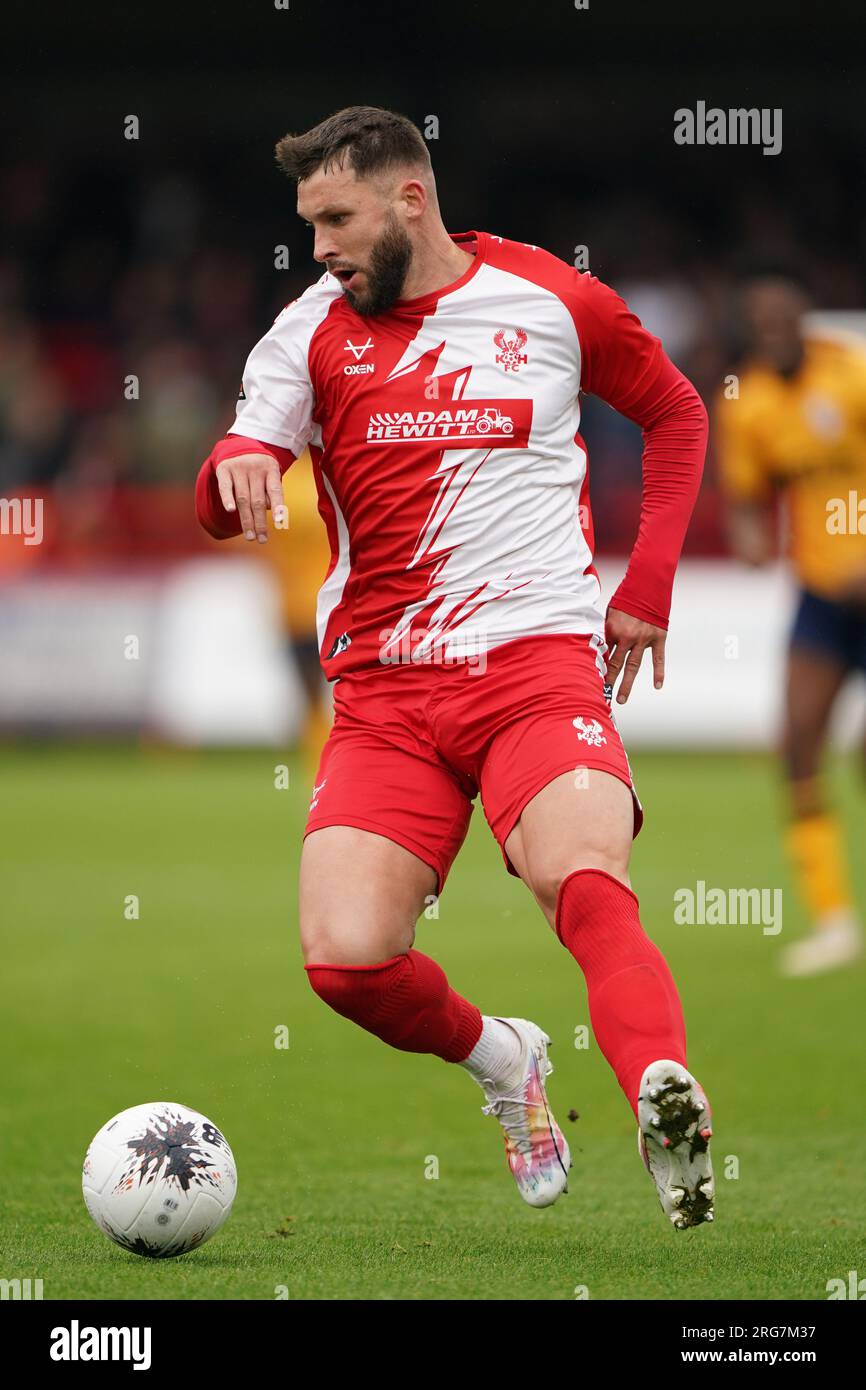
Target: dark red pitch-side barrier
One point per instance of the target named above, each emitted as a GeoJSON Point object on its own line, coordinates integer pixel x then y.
{"type": "Point", "coordinates": [87, 527]}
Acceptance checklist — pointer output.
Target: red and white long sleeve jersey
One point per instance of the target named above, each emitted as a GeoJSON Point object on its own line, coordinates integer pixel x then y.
{"type": "Point", "coordinates": [451, 474]}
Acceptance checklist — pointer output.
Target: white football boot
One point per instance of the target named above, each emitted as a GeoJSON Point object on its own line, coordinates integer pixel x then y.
{"type": "Point", "coordinates": [837, 941]}
{"type": "Point", "coordinates": [674, 1130]}
{"type": "Point", "coordinates": [535, 1147]}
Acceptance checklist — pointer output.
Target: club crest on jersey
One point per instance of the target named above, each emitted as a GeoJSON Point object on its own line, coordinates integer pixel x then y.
{"type": "Point", "coordinates": [510, 357]}
{"type": "Point", "coordinates": [589, 731]}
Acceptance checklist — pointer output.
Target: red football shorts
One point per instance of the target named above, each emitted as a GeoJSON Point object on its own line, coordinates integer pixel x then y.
{"type": "Point", "coordinates": [413, 744]}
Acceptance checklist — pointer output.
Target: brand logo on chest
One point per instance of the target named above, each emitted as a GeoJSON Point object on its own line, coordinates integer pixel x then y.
{"type": "Point", "coordinates": [358, 368]}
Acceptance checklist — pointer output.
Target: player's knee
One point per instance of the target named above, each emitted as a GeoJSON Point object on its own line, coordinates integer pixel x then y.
{"type": "Point", "coordinates": [547, 885]}
{"type": "Point", "coordinates": [325, 943]}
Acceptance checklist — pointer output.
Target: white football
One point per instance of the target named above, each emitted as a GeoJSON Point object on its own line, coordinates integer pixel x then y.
{"type": "Point", "coordinates": [159, 1179]}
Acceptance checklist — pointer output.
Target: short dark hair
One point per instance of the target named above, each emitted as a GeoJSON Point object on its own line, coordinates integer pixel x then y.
{"type": "Point", "coordinates": [373, 139]}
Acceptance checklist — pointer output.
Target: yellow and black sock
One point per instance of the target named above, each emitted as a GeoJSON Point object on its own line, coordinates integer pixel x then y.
{"type": "Point", "coordinates": [815, 846]}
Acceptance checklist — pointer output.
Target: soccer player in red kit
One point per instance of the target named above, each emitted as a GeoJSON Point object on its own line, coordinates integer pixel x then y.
{"type": "Point", "coordinates": [435, 378]}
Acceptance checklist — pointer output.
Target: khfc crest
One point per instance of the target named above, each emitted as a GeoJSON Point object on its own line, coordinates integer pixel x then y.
{"type": "Point", "coordinates": [510, 355]}
{"type": "Point", "coordinates": [589, 731]}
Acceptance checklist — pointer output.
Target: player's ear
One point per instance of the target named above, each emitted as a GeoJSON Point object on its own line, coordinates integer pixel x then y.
{"type": "Point", "coordinates": [413, 195]}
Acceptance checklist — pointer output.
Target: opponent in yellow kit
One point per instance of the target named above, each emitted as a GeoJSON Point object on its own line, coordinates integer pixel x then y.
{"type": "Point", "coordinates": [797, 428]}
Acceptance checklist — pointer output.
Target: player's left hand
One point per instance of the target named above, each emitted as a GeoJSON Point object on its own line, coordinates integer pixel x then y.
{"type": "Point", "coordinates": [627, 639]}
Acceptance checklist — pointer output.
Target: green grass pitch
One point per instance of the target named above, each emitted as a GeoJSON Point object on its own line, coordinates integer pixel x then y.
{"type": "Point", "coordinates": [333, 1136]}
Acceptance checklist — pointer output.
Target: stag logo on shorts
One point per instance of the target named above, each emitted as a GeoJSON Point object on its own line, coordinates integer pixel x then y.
{"type": "Point", "coordinates": [589, 731]}
{"type": "Point", "coordinates": [509, 356]}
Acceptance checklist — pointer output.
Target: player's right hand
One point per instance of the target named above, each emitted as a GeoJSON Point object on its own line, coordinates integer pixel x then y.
{"type": "Point", "coordinates": [250, 484]}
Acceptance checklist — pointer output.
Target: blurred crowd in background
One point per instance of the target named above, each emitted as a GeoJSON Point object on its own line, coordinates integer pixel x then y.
{"type": "Point", "coordinates": [130, 269]}
{"type": "Point", "coordinates": [136, 274]}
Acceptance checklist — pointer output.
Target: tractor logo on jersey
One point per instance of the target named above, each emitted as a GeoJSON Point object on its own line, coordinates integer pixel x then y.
{"type": "Point", "coordinates": [493, 419]}
{"type": "Point", "coordinates": [589, 731]}
{"type": "Point", "coordinates": [510, 357]}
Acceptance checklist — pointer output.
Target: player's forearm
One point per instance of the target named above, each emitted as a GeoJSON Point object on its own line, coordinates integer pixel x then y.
{"type": "Point", "coordinates": [209, 509]}
{"type": "Point", "coordinates": [675, 428]}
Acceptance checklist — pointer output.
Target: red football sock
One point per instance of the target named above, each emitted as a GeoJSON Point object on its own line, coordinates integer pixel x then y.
{"type": "Point", "coordinates": [635, 1010]}
{"type": "Point", "coordinates": [406, 1001]}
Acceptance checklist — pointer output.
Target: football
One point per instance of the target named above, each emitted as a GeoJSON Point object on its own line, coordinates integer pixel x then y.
{"type": "Point", "coordinates": [159, 1179]}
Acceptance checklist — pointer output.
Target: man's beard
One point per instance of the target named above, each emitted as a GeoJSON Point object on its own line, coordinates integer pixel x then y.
{"type": "Point", "coordinates": [390, 259]}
